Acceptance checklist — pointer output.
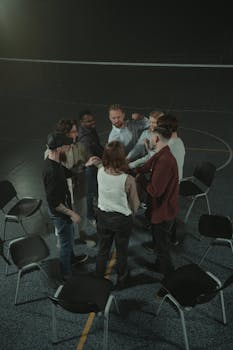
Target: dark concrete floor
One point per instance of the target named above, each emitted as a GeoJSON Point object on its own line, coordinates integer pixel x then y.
{"type": "Point", "coordinates": [33, 96]}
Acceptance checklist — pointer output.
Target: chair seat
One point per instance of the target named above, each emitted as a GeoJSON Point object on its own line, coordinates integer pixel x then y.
{"type": "Point", "coordinates": [215, 226]}
{"type": "Point", "coordinates": [28, 250]}
{"type": "Point", "coordinates": [85, 293]}
{"type": "Point", "coordinates": [188, 283]}
{"type": "Point", "coordinates": [25, 207]}
{"type": "Point", "coordinates": [189, 188]}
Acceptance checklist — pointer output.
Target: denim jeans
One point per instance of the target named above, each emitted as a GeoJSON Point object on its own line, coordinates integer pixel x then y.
{"type": "Point", "coordinates": [92, 191]}
{"type": "Point", "coordinates": [65, 231]}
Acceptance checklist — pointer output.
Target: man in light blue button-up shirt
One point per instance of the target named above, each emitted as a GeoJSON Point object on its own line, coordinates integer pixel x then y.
{"type": "Point", "coordinates": [126, 132]}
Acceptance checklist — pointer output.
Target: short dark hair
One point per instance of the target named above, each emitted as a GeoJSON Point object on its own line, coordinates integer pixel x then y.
{"type": "Point", "coordinates": [114, 156]}
{"type": "Point", "coordinates": [164, 130]}
{"type": "Point", "coordinates": [65, 125]}
{"type": "Point", "coordinates": [83, 113]}
{"type": "Point", "coordinates": [58, 139]}
{"type": "Point", "coordinates": [170, 120]}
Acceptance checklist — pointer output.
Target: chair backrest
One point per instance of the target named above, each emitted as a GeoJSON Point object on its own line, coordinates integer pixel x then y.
{"type": "Point", "coordinates": [216, 226]}
{"type": "Point", "coordinates": [28, 250]}
{"type": "Point", "coordinates": [205, 297]}
{"type": "Point", "coordinates": [205, 172]}
{"type": "Point", "coordinates": [7, 193]}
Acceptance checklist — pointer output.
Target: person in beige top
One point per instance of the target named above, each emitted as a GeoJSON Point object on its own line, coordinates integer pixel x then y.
{"type": "Point", "coordinates": [117, 202]}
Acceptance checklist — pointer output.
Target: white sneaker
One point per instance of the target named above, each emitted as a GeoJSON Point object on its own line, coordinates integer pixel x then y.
{"type": "Point", "coordinates": [90, 243]}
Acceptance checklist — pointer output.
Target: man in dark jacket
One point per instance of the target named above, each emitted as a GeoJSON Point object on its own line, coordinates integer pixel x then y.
{"type": "Point", "coordinates": [89, 137]}
{"type": "Point", "coordinates": [163, 190]}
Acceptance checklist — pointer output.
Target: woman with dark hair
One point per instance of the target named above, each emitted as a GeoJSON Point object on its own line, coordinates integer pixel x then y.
{"type": "Point", "coordinates": [117, 201]}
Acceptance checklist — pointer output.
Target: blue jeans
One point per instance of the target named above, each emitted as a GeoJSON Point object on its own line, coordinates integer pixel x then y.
{"type": "Point", "coordinates": [92, 191]}
{"type": "Point", "coordinates": [65, 231]}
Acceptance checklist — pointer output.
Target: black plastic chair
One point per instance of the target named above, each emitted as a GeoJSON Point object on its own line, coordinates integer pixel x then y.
{"type": "Point", "coordinates": [189, 286]}
{"type": "Point", "coordinates": [27, 253]}
{"type": "Point", "coordinates": [15, 209]}
{"type": "Point", "coordinates": [84, 294]}
{"type": "Point", "coordinates": [219, 228]}
{"type": "Point", "coordinates": [198, 185]}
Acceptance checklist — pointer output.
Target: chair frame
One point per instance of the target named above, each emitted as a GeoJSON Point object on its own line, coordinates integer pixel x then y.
{"type": "Point", "coordinates": [182, 309]}
{"type": "Point", "coordinates": [203, 187]}
{"type": "Point", "coordinates": [23, 269]}
{"type": "Point", "coordinates": [104, 313]}
{"type": "Point", "coordinates": [15, 218]}
{"type": "Point", "coordinates": [217, 241]}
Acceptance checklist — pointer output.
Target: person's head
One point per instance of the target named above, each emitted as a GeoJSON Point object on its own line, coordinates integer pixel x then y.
{"type": "Point", "coordinates": [161, 136]}
{"type": "Point", "coordinates": [117, 116]}
{"type": "Point", "coordinates": [58, 143]}
{"type": "Point", "coordinates": [137, 116]}
{"type": "Point", "coordinates": [170, 120]}
{"type": "Point", "coordinates": [87, 119]}
{"type": "Point", "coordinates": [68, 127]}
{"type": "Point", "coordinates": [153, 118]}
{"type": "Point", "coordinates": [114, 156]}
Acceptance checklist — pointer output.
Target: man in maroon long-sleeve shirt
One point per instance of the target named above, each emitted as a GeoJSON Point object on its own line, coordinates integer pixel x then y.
{"type": "Point", "coordinates": [163, 189]}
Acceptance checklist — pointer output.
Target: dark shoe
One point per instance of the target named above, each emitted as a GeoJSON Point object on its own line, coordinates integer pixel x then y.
{"type": "Point", "coordinates": [122, 281]}
{"type": "Point", "coordinates": [147, 226]}
{"type": "Point", "coordinates": [149, 246]}
{"type": "Point", "coordinates": [175, 243]}
{"type": "Point", "coordinates": [79, 259]}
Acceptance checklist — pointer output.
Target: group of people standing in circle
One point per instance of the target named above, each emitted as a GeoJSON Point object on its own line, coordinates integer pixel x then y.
{"type": "Point", "coordinates": [142, 162]}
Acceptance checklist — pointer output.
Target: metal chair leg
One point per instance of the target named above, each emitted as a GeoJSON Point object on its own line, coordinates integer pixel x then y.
{"type": "Point", "coordinates": [106, 321]}
{"type": "Point", "coordinates": [23, 227]}
{"type": "Point", "coordinates": [7, 256]}
{"type": "Point", "coordinates": [105, 336]}
{"type": "Point", "coordinates": [54, 324]}
{"type": "Point", "coordinates": [17, 286]}
{"type": "Point", "coordinates": [4, 230]}
{"type": "Point", "coordinates": [160, 305]}
{"type": "Point", "coordinates": [204, 255]}
{"type": "Point", "coordinates": [189, 210]}
{"type": "Point", "coordinates": [223, 307]}
{"type": "Point", "coordinates": [208, 204]}
{"type": "Point", "coordinates": [116, 305]}
{"type": "Point", "coordinates": [184, 329]}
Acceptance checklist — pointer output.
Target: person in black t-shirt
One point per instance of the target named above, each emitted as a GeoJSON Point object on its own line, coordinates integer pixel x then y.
{"type": "Point", "coordinates": [59, 200]}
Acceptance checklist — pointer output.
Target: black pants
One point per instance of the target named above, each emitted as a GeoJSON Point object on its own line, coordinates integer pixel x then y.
{"type": "Point", "coordinates": [111, 227]}
{"type": "Point", "coordinates": [162, 238]}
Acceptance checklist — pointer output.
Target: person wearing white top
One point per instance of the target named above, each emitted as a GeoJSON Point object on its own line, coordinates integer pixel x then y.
{"type": "Point", "coordinates": [117, 202]}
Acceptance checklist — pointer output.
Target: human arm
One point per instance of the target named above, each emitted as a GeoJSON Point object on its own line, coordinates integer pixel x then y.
{"type": "Point", "coordinates": [75, 217]}
{"type": "Point", "coordinates": [139, 148]}
{"type": "Point", "coordinates": [94, 161]}
{"type": "Point", "coordinates": [132, 194]}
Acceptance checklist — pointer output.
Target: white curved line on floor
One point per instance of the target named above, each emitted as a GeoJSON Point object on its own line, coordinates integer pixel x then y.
{"type": "Point", "coordinates": [220, 140]}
